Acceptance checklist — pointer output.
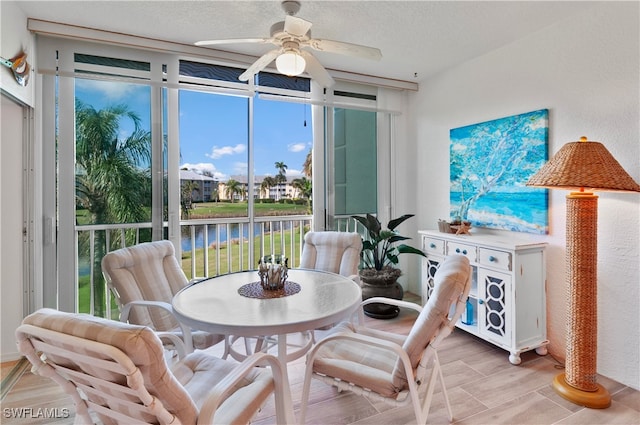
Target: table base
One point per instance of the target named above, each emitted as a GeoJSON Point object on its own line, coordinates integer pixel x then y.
{"type": "Point", "coordinates": [293, 346]}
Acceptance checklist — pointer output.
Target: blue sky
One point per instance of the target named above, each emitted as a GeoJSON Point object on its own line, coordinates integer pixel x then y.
{"type": "Point", "coordinates": [214, 128]}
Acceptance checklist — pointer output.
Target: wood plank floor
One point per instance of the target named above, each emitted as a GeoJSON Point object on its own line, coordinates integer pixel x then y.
{"type": "Point", "coordinates": [483, 386]}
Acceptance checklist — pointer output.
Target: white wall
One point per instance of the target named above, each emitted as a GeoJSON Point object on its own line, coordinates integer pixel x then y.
{"type": "Point", "coordinates": [585, 70]}
{"type": "Point", "coordinates": [14, 37]}
{"type": "Point", "coordinates": [11, 286]}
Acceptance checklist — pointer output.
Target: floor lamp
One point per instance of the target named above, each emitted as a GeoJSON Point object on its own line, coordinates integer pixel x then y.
{"type": "Point", "coordinates": [578, 166]}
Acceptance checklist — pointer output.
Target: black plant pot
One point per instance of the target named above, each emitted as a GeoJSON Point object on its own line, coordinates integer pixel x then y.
{"type": "Point", "coordinates": [373, 286]}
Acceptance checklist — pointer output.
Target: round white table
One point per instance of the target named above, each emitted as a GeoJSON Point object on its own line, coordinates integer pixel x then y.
{"type": "Point", "coordinates": [214, 305]}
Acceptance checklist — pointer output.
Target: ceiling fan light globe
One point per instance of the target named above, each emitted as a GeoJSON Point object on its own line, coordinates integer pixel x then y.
{"type": "Point", "coordinates": [290, 64]}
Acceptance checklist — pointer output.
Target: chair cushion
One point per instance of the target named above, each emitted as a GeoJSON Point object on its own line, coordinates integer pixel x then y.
{"type": "Point", "coordinates": [199, 372]}
{"type": "Point", "coordinates": [147, 271]}
{"type": "Point", "coordinates": [358, 363]}
{"type": "Point", "coordinates": [139, 343]}
{"type": "Point", "coordinates": [336, 252]}
{"type": "Point", "coordinates": [449, 284]}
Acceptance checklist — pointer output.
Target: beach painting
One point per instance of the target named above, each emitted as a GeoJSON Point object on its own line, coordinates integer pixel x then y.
{"type": "Point", "coordinates": [490, 165]}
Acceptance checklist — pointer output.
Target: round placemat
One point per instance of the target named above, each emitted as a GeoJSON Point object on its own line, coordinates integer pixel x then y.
{"type": "Point", "coordinates": [255, 290]}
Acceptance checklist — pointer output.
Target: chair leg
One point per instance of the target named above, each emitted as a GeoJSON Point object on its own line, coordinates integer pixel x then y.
{"type": "Point", "coordinates": [306, 389]}
{"type": "Point", "coordinates": [227, 345]}
{"type": "Point", "coordinates": [444, 388]}
{"type": "Point", "coordinates": [436, 374]}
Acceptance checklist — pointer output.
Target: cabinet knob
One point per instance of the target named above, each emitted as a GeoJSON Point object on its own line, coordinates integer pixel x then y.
{"type": "Point", "coordinates": [492, 258]}
{"type": "Point", "coordinates": [480, 301]}
{"type": "Point", "coordinates": [464, 251]}
{"type": "Point", "coordinates": [432, 245]}
{"type": "Point", "coordinates": [458, 250]}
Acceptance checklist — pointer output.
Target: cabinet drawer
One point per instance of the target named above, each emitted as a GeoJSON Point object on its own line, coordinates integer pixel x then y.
{"type": "Point", "coordinates": [433, 245]}
{"type": "Point", "coordinates": [468, 251]}
{"type": "Point", "coordinates": [493, 258]}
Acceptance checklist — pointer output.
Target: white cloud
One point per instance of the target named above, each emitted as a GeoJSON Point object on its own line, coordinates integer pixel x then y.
{"type": "Point", "coordinates": [219, 152]}
{"type": "Point", "coordinates": [297, 147]}
{"type": "Point", "coordinates": [203, 167]}
{"type": "Point", "coordinates": [109, 90]}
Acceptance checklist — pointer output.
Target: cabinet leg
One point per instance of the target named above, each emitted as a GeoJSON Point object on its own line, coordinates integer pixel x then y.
{"type": "Point", "coordinates": [542, 351]}
{"type": "Point", "coordinates": [514, 358]}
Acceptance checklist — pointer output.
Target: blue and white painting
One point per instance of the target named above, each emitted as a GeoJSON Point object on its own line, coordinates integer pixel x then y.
{"type": "Point", "coordinates": [490, 164]}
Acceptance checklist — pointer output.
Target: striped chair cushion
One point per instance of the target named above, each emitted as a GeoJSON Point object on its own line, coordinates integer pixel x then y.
{"type": "Point", "coordinates": [147, 271]}
{"type": "Point", "coordinates": [182, 390]}
{"type": "Point", "coordinates": [358, 363]}
{"type": "Point", "coordinates": [139, 343]}
{"type": "Point", "coordinates": [199, 372]}
{"type": "Point", "coordinates": [336, 252]}
{"type": "Point", "coordinates": [449, 283]}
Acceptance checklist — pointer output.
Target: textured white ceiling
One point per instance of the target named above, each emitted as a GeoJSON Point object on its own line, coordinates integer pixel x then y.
{"type": "Point", "coordinates": [417, 38]}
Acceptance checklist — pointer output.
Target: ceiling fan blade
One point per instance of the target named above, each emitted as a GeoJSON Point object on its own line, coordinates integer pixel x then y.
{"type": "Point", "coordinates": [233, 41]}
{"type": "Point", "coordinates": [316, 71]}
{"type": "Point", "coordinates": [343, 48]}
{"type": "Point", "coordinates": [260, 64]}
{"type": "Point", "coordinates": [296, 26]}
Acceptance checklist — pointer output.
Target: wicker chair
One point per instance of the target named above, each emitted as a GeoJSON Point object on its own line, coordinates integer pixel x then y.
{"type": "Point", "coordinates": [388, 367]}
{"type": "Point", "coordinates": [117, 373]}
{"type": "Point", "coordinates": [144, 278]}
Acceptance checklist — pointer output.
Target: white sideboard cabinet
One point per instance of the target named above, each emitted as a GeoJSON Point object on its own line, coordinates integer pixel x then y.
{"type": "Point", "coordinates": [507, 302]}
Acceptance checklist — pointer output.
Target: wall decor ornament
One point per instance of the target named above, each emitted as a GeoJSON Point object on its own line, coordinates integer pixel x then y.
{"type": "Point", "coordinates": [490, 163]}
{"type": "Point", "coordinates": [19, 67]}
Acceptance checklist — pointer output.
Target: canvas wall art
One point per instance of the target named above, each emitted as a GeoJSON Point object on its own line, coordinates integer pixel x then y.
{"type": "Point", "coordinates": [490, 164]}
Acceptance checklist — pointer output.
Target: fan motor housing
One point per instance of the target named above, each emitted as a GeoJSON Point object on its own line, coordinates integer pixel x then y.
{"type": "Point", "coordinates": [277, 31]}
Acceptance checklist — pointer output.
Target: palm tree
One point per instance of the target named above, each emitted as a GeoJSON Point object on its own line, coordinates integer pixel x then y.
{"type": "Point", "coordinates": [307, 165]}
{"type": "Point", "coordinates": [186, 197]}
{"type": "Point", "coordinates": [267, 183]}
{"type": "Point", "coordinates": [112, 177]}
{"type": "Point", "coordinates": [304, 186]}
{"type": "Point", "coordinates": [233, 187]}
{"type": "Point", "coordinates": [281, 176]}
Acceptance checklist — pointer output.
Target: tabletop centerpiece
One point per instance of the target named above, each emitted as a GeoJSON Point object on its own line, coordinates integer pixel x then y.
{"type": "Point", "coordinates": [273, 272]}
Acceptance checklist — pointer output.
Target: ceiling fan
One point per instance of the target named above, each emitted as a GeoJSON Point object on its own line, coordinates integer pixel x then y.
{"type": "Point", "coordinates": [291, 37]}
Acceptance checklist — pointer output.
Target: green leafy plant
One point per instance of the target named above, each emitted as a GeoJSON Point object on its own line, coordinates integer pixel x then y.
{"type": "Point", "coordinates": [380, 249]}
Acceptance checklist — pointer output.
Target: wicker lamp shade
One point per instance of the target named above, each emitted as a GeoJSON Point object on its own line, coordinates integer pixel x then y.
{"type": "Point", "coordinates": [579, 166]}
{"type": "Point", "coordinates": [584, 165]}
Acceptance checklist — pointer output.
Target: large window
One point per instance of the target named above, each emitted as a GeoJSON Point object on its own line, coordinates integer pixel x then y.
{"type": "Point", "coordinates": [150, 146]}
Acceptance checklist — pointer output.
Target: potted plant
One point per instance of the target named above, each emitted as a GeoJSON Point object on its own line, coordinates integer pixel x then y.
{"type": "Point", "coordinates": [379, 256]}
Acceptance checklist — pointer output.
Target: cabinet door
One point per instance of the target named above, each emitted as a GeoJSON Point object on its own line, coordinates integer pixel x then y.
{"type": "Point", "coordinates": [429, 267]}
{"type": "Point", "coordinates": [494, 309]}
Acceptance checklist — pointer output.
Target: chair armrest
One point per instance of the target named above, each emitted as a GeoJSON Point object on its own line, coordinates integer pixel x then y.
{"type": "Point", "coordinates": [284, 406]}
{"type": "Point", "coordinates": [177, 342]}
{"type": "Point", "coordinates": [186, 330]}
{"type": "Point", "coordinates": [126, 309]}
{"type": "Point", "coordinates": [391, 301]}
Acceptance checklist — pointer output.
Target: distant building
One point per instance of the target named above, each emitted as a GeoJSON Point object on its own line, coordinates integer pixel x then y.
{"type": "Point", "coordinates": [281, 191]}
{"type": "Point", "coordinates": [207, 186]}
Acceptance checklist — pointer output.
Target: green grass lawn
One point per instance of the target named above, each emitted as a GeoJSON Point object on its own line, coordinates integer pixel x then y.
{"type": "Point", "coordinates": [228, 209]}
{"type": "Point", "coordinates": [240, 209]}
